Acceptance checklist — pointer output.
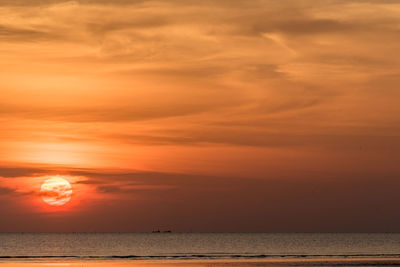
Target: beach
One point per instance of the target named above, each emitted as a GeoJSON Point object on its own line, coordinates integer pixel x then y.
{"type": "Point", "coordinates": [211, 263]}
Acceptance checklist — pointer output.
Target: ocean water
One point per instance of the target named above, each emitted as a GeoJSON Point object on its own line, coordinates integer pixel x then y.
{"type": "Point", "coordinates": [186, 246]}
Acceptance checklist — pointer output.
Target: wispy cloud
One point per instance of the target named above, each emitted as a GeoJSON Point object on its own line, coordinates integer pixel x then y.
{"type": "Point", "coordinates": [6, 191]}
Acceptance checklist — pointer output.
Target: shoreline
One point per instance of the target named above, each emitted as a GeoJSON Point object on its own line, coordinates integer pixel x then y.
{"type": "Point", "coordinates": [206, 263]}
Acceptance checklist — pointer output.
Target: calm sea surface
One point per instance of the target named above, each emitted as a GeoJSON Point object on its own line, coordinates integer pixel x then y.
{"type": "Point", "coordinates": [183, 246]}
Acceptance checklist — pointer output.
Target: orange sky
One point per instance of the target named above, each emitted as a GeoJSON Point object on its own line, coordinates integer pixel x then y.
{"type": "Point", "coordinates": [201, 115]}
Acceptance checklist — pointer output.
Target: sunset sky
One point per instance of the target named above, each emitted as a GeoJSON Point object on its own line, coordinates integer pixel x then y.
{"type": "Point", "coordinates": [201, 115]}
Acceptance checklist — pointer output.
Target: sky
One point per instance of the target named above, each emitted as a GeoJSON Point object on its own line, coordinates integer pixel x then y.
{"type": "Point", "coordinates": [212, 115]}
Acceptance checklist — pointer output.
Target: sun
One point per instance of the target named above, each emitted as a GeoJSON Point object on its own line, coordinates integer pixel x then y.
{"type": "Point", "coordinates": [56, 191]}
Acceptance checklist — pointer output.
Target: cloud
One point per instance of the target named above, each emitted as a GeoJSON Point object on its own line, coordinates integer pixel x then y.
{"type": "Point", "coordinates": [139, 200]}
{"type": "Point", "coordinates": [53, 2]}
{"type": "Point", "coordinates": [132, 113]}
{"type": "Point", "coordinates": [117, 180]}
{"type": "Point", "coordinates": [6, 191]}
{"type": "Point", "coordinates": [13, 172]}
{"type": "Point", "coordinates": [109, 189]}
{"type": "Point", "coordinates": [138, 22]}
{"type": "Point", "coordinates": [300, 25]}
{"type": "Point", "coordinates": [311, 26]}
{"type": "Point", "coordinates": [263, 138]}
{"type": "Point", "coordinates": [10, 34]}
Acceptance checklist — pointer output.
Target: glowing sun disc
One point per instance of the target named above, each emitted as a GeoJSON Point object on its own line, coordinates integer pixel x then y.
{"type": "Point", "coordinates": [56, 191]}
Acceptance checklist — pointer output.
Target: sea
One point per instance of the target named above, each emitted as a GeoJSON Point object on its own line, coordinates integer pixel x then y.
{"type": "Point", "coordinates": [195, 246]}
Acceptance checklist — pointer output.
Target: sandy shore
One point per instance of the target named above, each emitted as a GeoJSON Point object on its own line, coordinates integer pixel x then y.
{"type": "Point", "coordinates": [210, 263]}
